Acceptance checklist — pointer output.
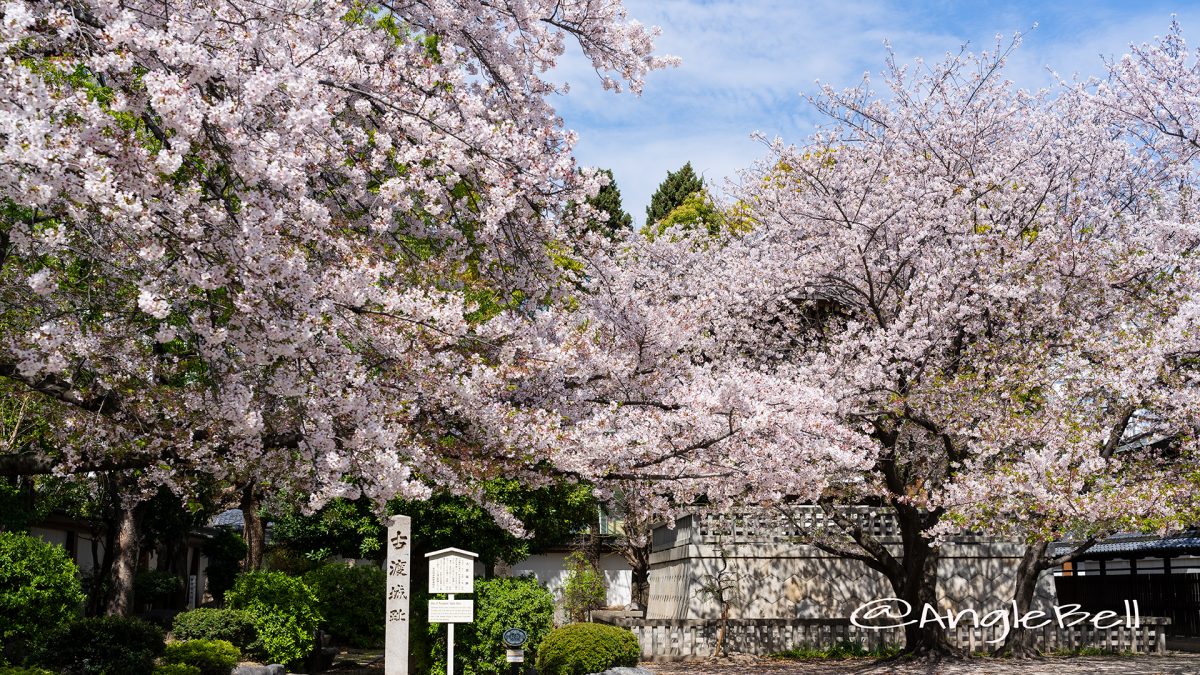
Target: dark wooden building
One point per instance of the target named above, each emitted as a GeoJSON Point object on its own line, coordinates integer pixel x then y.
{"type": "Point", "coordinates": [1161, 574]}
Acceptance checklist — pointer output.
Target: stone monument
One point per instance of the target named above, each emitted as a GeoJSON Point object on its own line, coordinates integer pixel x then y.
{"type": "Point", "coordinates": [399, 586]}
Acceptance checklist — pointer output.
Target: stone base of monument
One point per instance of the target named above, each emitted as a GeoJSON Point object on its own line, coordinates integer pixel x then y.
{"type": "Point", "coordinates": [622, 670]}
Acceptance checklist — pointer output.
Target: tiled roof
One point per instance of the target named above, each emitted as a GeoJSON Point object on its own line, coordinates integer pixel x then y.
{"type": "Point", "coordinates": [231, 518]}
{"type": "Point", "coordinates": [1139, 544]}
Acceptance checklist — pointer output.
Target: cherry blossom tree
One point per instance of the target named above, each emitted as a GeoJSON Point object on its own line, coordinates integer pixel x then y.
{"type": "Point", "coordinates": [260, 238]}
{"type": "Point", "coordinates": [956, 301]}
{"type": "Point", "coordinates": [1135, 470]}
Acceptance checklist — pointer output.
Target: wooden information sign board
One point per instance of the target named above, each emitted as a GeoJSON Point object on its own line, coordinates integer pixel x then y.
{"type": "Point", "coordinates": [451, 570]}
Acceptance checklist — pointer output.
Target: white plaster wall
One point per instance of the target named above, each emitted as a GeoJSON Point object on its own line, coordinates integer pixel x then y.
{"type": "Point", "coordinates": [551, 571]}
{"type": "Point", "coordinates": [57, 537]}
{"type": "Point", "coordinates": [83, 555]}
{"type": "Point", "coordinates": [83, 546]}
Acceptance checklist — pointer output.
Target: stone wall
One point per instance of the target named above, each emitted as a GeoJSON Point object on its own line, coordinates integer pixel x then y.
{"type": "Point", "coordinates": [775, 577]}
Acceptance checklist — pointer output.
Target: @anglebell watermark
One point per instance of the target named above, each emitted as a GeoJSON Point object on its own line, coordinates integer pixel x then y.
{"type": "Point", "coordinates": [887, 613]}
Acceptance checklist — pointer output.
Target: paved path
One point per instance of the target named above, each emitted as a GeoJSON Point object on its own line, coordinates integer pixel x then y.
{"type": "Point", "coordinates": [1188, 664]}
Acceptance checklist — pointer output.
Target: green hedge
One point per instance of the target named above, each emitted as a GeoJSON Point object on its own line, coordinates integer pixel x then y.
{"type": "Point", "coordinates": [351, 601]}
{"type": "Point", "coordinates": [232, 625]}
{"type": "Point", "coordinates": [583, 648]}
{"type": "Point", "coordinates": [211, 657]}
{"type": "Point", "coordinates": [39, 592]}
{"type": "Point", "coordinates": [503, 603]}
{"type": "Point", "coordinates": [284, 612]}
{"type": "Point", "coordinates": [103, 645]}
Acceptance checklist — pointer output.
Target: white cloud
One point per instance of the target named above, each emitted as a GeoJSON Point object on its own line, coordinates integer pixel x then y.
{"type": "Point", "coordinates": [747, 64]}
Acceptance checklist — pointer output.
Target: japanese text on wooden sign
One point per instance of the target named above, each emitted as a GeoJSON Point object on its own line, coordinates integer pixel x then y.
{"type": "Point", "coordinates": [451, 574]}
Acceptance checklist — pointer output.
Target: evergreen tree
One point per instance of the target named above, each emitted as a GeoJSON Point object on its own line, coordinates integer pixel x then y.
{"type": "Point", "coordinates": [672, 192]}
{"type": "Point", "coordinates": [613, 218]}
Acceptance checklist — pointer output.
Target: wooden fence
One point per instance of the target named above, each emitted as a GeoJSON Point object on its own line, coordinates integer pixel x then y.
{"type": "Point", "coordinates": [1176, 596]}
{"type": "Point", "coordinates": [684, 639]}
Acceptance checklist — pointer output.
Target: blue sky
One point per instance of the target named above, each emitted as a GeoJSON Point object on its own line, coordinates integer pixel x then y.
{"type": "Point", "coordinates": [748, 63]}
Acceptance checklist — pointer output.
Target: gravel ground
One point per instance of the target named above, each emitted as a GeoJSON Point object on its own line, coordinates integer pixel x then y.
{"type": "Point", "coordinates": [1181, 664]}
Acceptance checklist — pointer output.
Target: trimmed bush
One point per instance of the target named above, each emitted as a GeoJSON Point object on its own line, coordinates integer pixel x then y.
{"type": "Point", "coordinates": [351, 601]}
{"type": "Point", "coordinates": [232, 625]}
{"type": "Point", "coordinates": [103, 645]}
{"type": "Point", "coordinates": [210, 657]}
{"type": "Point", "coordinates": [583, 648]}
{"type": "Point", "coordinates": [176, 669]}
{"type": "Point", "coordinates": [284, 612]}
{"type": "Point", "coordinates": [502, 603]}
{"type": "Point", "coordinates": [39, 592]}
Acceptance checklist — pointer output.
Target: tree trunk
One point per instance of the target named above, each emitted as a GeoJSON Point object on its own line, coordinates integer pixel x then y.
{"type": "Point", "coordinates": [918, 587]}
{"type": "Point", "coordinates": [640, 586]}
{"type": "Point", "coordinates": [253, 528]}
{"type": "Point", "coordinates": [719, 648]}
{"type": "Point", "coordinates": [125, 558]}
{"type": "Point", "coordinates": [1019, 642]}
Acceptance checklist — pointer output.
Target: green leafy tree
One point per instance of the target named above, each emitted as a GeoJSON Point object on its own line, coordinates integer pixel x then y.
{"type": "Point", "coordinates": [672, 192]}
{"type": "Point", "coordinates": [614, 220]}
{"type": "Point", "coordinates": [352, 529]}
{"type": "Point", "coordinates": [502, 603]}
{"type": "Point", "coordinates": [39, 591]}
{"type": "Point", "coordinates": [343, 527]}
{"type": "Point", "coordinates": [351, 601]}
{"type": "Point", "coordinates": [698, 211]}
{"type": "Point", "coordinates": [584, 589]}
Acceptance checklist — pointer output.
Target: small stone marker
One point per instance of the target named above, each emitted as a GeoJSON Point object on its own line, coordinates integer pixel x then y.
{"type": "Point", "coordinates": [451, 570]}
{"type": "Point", "coordinates": [399, 585]}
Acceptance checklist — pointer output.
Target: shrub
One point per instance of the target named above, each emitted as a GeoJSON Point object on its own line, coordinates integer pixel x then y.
{"type": "Point", "coordinates": [351, 601]}
{"type": "Point", "coordinates": [232, 625]}
{"type": "Point", "coordinates": [290, 562]}
{"type": "Point", "coordinates": [13, 670]}
{"type": "Point", "coordinates": [582, 648]}
{"type": "Point", "coordinates": [176, 669]}
{"type": "Point", "coordinates": [584, 589]}
{"type": "Point", "coordinates": [155, 587]}
{"type": "Point", "coordinates": [501, 604]}
{"type": "Point", "coordinates": [224, 552]}
{"type": "Point", "coordinates": [284, 612]}
{"type": "Point", "coordinates": [210, 657]}
{"type": "Point", "coordinates": [39, 592]}
{"type": "Point", "coordinates": [103, 645]}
